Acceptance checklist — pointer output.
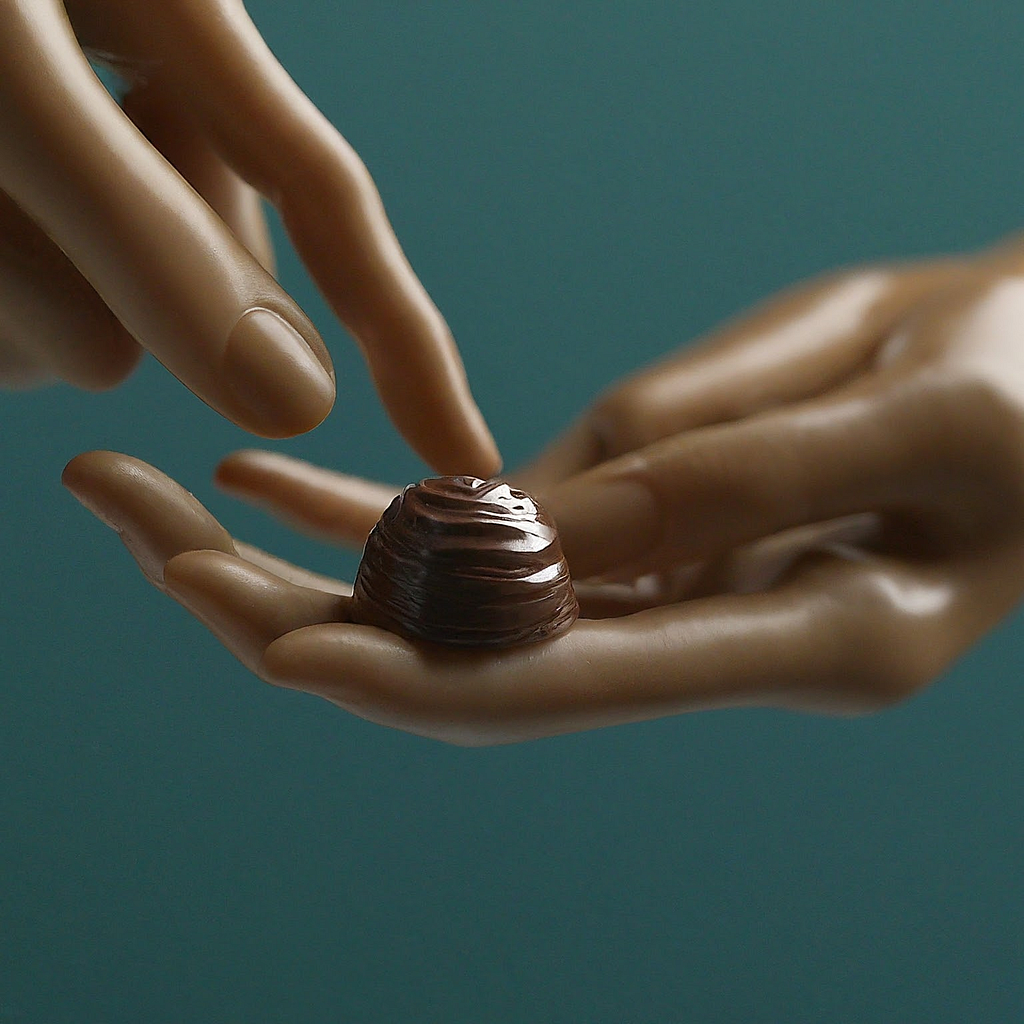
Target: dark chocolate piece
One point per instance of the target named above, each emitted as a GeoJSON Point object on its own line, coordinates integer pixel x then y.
{"type": "Point", "coordinates": [466, 562]}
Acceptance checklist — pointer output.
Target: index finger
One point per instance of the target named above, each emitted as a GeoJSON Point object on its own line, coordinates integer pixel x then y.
{"type": "Point", "coordinates": [216, 61]}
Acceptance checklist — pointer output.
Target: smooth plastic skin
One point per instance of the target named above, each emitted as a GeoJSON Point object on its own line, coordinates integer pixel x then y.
{"type": "Point", "coordinates": [819, 508]}
{"type": "Point", "coordinates": [107, 249]}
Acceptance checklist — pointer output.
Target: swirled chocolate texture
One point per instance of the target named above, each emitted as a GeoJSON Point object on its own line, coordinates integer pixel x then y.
{"type": "Point", "coordinates": [466, 562]}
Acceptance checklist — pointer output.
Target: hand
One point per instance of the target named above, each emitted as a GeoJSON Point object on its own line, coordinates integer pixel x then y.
{"type": "Point", "coordinates": [818, 508]}
{"type": "Point", "coordinates": [104, 247]}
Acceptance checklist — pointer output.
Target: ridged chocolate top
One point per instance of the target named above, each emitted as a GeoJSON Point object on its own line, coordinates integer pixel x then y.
{"type": "Point", "coordinates": [467, 562]}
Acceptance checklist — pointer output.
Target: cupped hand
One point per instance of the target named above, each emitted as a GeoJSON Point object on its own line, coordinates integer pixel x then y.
{"type": "Point", "coordinates": [107, 249]}
{"type": "Point", "coordinates": [819, 507]}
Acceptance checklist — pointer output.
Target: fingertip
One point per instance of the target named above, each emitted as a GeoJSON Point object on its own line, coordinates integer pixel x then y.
{"type": "Point", "coordinates": [296, 419]}
{"type": "Point", "coordinates": [486, 460]}
{"type": "Point", "coordinates": [85, 467]}
{"type": "Point", "coordinates": [113, 368]}
{"type": "Point", "coordinates": [466, 447]}
{"type": "Point", "coordinates": [100, 358]}
{"type": "Point", "coordinates": [235, 471]}
{"type": "Point", "coordinates": [490, 462]}
{"type": "Point", "coordinates": [70, 472]}
{"type": "Point", "coordinates": [283, 384]}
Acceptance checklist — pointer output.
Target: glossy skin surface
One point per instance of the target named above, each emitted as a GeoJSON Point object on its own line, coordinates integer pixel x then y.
{"type": "Point", "coordinates": [818, 507]}
{"type": "Point", "coordinates": [465, 562]}
{"type": "Point", "coordinates": [106, 248]}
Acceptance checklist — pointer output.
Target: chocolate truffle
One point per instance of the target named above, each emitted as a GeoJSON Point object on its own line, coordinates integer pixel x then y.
{"type": "Point", "coordinates": [466, 562]}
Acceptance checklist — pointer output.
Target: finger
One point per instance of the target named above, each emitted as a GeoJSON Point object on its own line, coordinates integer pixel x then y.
{"type": "Point", "coordinates": [158, 519]}
{"type": "Point", "coordinates": [219, 65]}
{"type": "Point", "coordinates": [292, 573]}
{"type": "Point", "coordinates": [794, 346]}
{"type": "Point", "coordinates": [333, 505]}
{"type": "Point", "coordinates": [155, 517]}
{"type": "Point", "coordinates": [178, 138]}
{"type": "Point", "coordinates": [825, 641]}
{"type": "Point", "coordinates": [53, 324]}
{"type": "Point", "coordinates": [244, 605]}
{"type": "Point", "coordinates": [157, 255]}
{"type": "Point", "coordinates": [749, 569]}
{"type": "Point", "coordinates": [700, 494]}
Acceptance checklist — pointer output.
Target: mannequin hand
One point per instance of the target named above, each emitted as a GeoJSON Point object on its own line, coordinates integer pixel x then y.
{"type": "Point", "coordinates": [105, 248]}
{"type": "Point", "coordinates": [833, 483]}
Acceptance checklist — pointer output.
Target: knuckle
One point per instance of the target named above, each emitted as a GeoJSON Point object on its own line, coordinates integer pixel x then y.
{"type": "Point", "coordinates": [330, 157]}
{"type": "Point", "coordinates": [986, 416]}
{"type": "Point", "coordinates": [893, 672]}
{"type": "Point", "coordinates": [874, 675]}
{"type": "Point", "coordinates": [324, 164]}
{"type": "Point", "coordinates": [979, 445]}
{"type": "Point", "coordinates": [985, 395]}
{"type": "Point", "coordinates": [890, 646]}
{"type": "Point", "coordinates": [354, 171]}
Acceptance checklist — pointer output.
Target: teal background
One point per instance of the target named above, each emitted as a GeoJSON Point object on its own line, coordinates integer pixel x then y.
{"type": "Point", "coordinates": [582, 187]}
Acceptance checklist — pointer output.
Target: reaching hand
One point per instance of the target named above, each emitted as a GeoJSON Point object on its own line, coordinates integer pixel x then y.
{"type": "Point", "coordinates": [104, 247]}
{"type": "Point", "coordinates": [820, 507]}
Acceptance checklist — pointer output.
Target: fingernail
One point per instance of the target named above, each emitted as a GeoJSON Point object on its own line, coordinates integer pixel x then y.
{"type": "Point", "coordinates": [275, 375]}
{"type": "Point", "coordinates": [606, 523]}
